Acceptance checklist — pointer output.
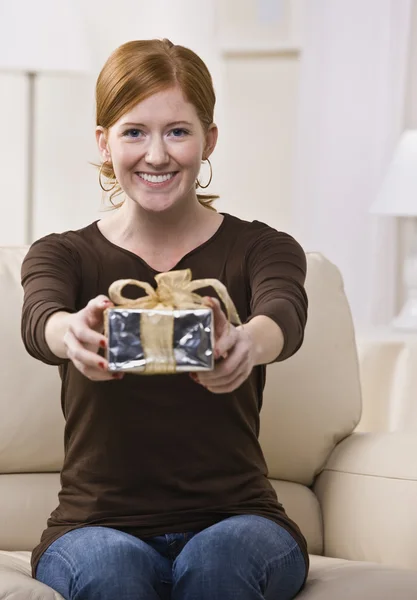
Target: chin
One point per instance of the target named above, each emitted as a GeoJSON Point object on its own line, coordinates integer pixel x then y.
{"type": "Point", "coordinates": [153, 204]}
{"type": "Point", "coordinates": [156, 207]}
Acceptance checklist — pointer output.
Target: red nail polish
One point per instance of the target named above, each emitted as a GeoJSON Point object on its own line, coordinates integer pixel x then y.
{"type": "Point", "coordinates": [101, 365]}
{"type": "Point", "coordinates": [117, 375]}
{"type": "Point", "coordinates": [102, 344]}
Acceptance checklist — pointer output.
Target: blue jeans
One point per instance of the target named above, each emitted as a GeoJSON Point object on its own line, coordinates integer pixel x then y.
{"type": "Point", "coordinates": [240, 558]}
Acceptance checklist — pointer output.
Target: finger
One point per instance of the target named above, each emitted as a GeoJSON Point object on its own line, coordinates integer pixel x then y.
{"type": "Point", "coordinates": [229, 386]}
{"type": "Point", "coordinates": [77, 352]}
{"type": "Point", "coordinates": [223, 379]}
{"type": "Point", "coordinates": [94, 374]}
{"type": "Point", "coordinates": [226, 342]}
{"type": "Point", "coordinates": [226, 369]}
{"type": "Point", "coordinates": [87, 336]}
{"type": "Point", "coordinates": [222, 328]}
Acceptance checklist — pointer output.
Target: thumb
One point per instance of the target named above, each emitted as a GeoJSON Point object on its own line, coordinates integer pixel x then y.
{"type": "Point", "coordinates": [95, 308]}
{"type": "Point", "coordinates": [220, 320]}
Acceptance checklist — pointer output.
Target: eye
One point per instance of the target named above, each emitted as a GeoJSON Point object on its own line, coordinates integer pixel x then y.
{"type": "Point", "coordinates": [132, 133]}
{"type": "Point", "coordinates": [179, 132]}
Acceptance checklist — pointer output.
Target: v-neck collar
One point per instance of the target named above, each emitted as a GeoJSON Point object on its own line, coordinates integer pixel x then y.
{"type": "Point", "coordinates": [195, 250]}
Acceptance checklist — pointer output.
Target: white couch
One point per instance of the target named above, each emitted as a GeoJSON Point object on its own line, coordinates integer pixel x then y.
{"type": "Point", "coordinates": [353, 495]}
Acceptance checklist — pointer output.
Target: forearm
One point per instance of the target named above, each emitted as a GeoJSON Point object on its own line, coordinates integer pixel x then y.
{"type": "Point", "coordinates": [55, 330]}
{"type": "Point", "coordinates": [267, 339]}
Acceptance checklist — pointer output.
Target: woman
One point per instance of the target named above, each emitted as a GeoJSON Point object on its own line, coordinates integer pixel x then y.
{"type": "Point", "coordinates": [164, 485]}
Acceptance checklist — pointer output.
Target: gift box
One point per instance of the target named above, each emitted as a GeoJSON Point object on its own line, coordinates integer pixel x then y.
{"type": "Point", "coordinates": [173, 341]}
{"type": "Point", "coordinates": [169, 330]}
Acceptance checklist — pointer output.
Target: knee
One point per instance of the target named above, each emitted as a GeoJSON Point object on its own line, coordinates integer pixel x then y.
{"type": "Point", "coordinates": [241, 554]}
{"type": "Point", "coordinates": [204, 572]}
{"type": "Point", "coordinates": [111, 551]}
{"type": "Point", "coordinates": [99, 545]}
{"type": "Point", "coordinates": [94, 557]}
{"type": "Point", "coordinates": [241, 546]}
{"type": "Point", "coordinates": [211, 553]}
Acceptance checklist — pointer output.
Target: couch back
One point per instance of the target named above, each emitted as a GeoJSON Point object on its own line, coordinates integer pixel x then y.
{"type": "Point", "coordinates": [311, 402]}
{"type": "Point", "coordinates": [31, 422]}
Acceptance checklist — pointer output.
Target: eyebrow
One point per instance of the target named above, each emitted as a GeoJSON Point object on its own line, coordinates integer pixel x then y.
{"type": "Point", "coordinates": [175, 123]}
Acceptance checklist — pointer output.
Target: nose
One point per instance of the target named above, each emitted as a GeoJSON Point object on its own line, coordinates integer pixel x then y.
{"type": "Point", "coordinates": [156, 154]}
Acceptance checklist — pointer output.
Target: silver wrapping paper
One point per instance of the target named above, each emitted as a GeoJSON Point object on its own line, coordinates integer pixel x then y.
{"type": "Point", "coordinates": [193, 339]}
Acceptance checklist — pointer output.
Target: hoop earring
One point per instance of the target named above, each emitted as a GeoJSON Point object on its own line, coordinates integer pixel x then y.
{"type": "Point", "coordinates": [107, 190]}
{"type": "Point", "coordinates": [211, 176]}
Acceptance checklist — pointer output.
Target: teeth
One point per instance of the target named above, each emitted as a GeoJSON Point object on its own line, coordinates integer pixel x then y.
{"type": "Point", "coordinates": [156, 178]}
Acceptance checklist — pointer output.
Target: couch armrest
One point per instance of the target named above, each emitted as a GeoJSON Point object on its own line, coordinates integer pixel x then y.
{"type": "Point", "coordinates": [368, 496]}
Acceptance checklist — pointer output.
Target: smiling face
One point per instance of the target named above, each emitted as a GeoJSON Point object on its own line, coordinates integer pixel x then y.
{"type": "Point", "coordinates": [156, 150]}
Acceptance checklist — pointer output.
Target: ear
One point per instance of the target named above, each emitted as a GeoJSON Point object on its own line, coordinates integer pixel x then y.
{"type": "Point", "coordinates": [211, 140]}
{"type": "Point", "coordinates": [102, 144]}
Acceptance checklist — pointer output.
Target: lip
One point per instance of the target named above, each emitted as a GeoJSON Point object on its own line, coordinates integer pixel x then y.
{"type": "Point", "coordinates": [160, 185]}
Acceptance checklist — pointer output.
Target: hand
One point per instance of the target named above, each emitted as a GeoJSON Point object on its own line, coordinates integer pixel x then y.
{"type": "Point", "coordinates": [84, 337]}
{"type": "Point", "coordinates": [233, 353]}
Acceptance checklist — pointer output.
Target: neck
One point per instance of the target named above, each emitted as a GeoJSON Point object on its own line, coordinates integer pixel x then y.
{"type": "Point", "coordinates": [167, 227]}
{"type": "Point", "coordinates": [166, 233]}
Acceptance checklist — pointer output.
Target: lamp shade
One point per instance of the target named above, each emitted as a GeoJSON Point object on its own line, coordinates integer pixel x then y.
{"type": "Point", "coordinates": [398, 193]}
{"type": "Point", "coordinates": [42, 35]}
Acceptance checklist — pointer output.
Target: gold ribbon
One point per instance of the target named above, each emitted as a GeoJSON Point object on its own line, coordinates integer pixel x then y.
{"type": "Point", "coordinates": [174, 291]}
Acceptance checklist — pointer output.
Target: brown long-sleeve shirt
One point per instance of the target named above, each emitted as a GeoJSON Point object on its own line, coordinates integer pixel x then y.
{"type": "Point", "coordinates": [161, 454]}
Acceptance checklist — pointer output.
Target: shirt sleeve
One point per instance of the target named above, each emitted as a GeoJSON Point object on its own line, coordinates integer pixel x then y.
{"type": "Point", "coordinates": [277, 268]}
{"type": "Point", "coordinates": [50, 279]}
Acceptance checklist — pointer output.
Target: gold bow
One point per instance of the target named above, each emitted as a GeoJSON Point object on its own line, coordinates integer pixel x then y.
{"type": "Point", "coordinates": [175, 290]}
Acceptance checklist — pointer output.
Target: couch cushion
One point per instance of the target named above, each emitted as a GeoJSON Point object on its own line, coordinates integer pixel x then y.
{"type": "Point", "coordinates": [313, 400]}
{"type": "Point", "coordinates": [336, 579]}
{"type": "Point", "coordinates": [16, 582]}
{"type": "Point", "coordinates": [368, 496]}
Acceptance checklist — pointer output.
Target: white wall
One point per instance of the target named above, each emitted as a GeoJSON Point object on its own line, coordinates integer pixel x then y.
{"type": "Point", "coordinates": [65, 188]}
{"type": "Point", "coordinates": [411, 104]}
{"type": "Point", "coordinates": [406, 226]}
{"type": "Point", "coordinates": [261, 107]}
{"type": "Point", "coordinates": [13, 124]}
{"type": "Point", "coordinates": [261, 44]}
